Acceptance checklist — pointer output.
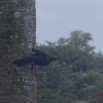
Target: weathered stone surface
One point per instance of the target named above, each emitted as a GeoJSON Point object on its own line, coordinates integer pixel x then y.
{"type": "Point", "coordinates": [17, 36]}
{"type": "Point", "coordinates": [82, 101]}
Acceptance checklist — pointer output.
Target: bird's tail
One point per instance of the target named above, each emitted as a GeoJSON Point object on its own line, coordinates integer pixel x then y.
{"type": "Point", "coordinates": [21, 62]}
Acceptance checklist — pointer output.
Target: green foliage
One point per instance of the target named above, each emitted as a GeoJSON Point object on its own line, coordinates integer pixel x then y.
{"type": "Point", "coordinates": [77, 74]}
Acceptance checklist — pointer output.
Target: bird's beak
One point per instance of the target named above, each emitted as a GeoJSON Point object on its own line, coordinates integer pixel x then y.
{"type": "Point", "coordinates": [54, 57]}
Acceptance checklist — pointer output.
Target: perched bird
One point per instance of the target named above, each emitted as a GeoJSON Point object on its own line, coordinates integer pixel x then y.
{"type": "Point", "coordinates": [36, 57]}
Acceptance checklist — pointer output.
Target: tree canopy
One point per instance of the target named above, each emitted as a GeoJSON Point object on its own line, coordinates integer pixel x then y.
{"type": "Point", "coordinates": [77, 75]}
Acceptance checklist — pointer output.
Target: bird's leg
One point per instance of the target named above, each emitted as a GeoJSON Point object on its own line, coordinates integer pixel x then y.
{"type": "Point", "coordinates": [33, 70]}
{"type": "Point", "coordinates": [32, 66]}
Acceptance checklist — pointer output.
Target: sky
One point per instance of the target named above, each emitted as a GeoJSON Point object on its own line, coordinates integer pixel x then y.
{"type": "Point", "coordinates": [58, 18]}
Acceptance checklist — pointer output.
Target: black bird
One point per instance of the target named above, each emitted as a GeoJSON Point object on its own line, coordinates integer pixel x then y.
{"type": "Point", "coordinates": [36, 57]}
